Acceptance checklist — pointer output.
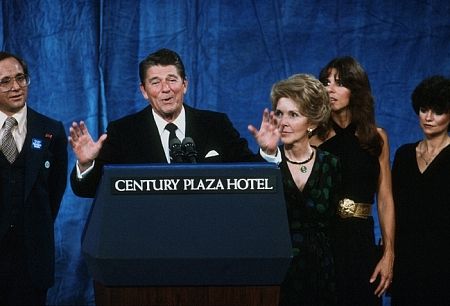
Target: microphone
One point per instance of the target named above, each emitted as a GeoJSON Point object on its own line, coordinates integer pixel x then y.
{"type": "Point", "coordinates": [189, 149]}
{"type": "Point", "coordinates": [176, 150]}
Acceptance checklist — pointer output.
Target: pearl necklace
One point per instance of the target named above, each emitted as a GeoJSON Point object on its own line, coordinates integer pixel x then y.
{"type": "Point", "coordinates": [303, 168]}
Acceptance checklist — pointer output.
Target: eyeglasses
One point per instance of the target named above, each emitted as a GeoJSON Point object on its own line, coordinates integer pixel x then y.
{"type": "Point", "coordinates": [7, 83]}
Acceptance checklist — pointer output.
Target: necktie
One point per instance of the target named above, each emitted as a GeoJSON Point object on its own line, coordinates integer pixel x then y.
{"type": "Point", "coordinates": [174, 151]}
{"type": "Point", "coordinates": [9, 147]}
{"type": "Point", "coordinates": [171, 128]}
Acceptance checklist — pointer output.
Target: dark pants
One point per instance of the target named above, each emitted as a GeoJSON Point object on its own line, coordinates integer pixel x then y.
{"type": "Point", "coordinates": [16, 287]}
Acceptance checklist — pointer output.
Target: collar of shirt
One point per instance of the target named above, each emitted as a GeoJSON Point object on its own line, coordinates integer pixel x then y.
{"type": "Point", "coordinates": [20, 132]}
{"type": "Point", "coordinates": [180, 122]}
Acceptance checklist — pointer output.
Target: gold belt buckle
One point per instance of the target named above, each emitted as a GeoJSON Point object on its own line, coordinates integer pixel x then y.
{"type": "Point", "coordinates": [347, 208]}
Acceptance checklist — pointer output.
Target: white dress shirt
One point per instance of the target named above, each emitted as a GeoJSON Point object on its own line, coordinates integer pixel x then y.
{"type": "Point", "coordinates": [180, 122]}
{"type": "Point", "coordinates": [19, 132]}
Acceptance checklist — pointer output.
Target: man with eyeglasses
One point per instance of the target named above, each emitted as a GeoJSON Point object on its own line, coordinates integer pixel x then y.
{"type": "Point", "coordinates": [33, 172]}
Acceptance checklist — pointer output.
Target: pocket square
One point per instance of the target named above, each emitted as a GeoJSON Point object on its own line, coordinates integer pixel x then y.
{"type": "Point", "coordinates": [211, 153]}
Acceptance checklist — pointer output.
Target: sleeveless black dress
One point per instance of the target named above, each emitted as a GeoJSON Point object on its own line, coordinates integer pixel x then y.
{"type": "Point", "coordinates": [310, 278]}
{"type": "Point", "coordinates": [354, 245]}
{"type": "Point", "coordinates": [422, 255]}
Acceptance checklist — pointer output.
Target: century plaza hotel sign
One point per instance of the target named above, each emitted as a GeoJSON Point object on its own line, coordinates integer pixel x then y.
{"type": "Point", "coordinates": [204, 184]}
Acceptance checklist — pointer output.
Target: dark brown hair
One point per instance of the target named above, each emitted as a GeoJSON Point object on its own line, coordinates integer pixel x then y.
{"type": "Point", "coordinates": [162, 57]}
{"type": "Point", "coordinates": [432, 93]}
{"type": "Point", "coordinates": [352, 76]}
{"type": "Point", "coordinates": [5, 55]}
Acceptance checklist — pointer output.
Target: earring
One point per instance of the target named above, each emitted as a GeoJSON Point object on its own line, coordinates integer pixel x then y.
{"type": "Point", "coordinates": [310, 132]}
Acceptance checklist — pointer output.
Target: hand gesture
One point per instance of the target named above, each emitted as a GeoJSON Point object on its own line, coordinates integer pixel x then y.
{"type": "Point", "coordinates": [84, 147]}
{"type": "Point", "coordinates": [383, 270]}
{"type": "Point", "coordinates": [268, 135]}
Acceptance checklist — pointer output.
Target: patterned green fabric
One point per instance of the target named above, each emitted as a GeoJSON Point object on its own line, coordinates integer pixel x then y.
{"type": "Point", "coordinates": [310, 279]}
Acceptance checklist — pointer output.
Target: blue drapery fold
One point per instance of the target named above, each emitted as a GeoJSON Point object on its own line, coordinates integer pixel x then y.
{"type": "Point", "coordinates": [83, 58]}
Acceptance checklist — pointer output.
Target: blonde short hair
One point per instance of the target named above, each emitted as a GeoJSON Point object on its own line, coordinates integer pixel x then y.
{"type": "Point", "coordinates": [309, 94]}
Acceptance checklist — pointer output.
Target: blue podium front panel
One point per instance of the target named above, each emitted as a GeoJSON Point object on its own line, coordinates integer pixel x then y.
{"type": "Point", "coordinates": [188, 224]}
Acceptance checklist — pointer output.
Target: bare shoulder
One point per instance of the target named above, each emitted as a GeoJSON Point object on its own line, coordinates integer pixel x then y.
{"type": "Point", "coordinates": [315, 141]}
{"type": "Point", "coordinates": [382, 133]}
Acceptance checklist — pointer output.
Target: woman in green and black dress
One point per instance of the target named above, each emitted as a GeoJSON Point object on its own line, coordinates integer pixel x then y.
{"type": "Point", "coordinates": [310, 179]}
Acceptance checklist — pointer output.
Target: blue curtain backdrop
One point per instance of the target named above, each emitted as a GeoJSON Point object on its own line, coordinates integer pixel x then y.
{"type": "Point", "coordinates": [83, 57]}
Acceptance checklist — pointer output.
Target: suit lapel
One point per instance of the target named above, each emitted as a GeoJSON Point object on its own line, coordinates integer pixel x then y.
{"type": "Point", "coordinates": [35, 146]}
{"type": "Point", "coordinates": [148, 134]}
{"type": "Point", "coordinates": [196, 128]}
{"type": "Point", "coordinates": [195, 125]}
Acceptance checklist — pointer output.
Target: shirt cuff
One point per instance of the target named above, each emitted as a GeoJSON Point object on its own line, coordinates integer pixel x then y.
{"type": "Point", "coordinates": [276, 159]}
{"type": "Point", "coordinates": [81, 175]}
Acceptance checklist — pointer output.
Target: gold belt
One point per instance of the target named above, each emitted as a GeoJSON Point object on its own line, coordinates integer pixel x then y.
{"type": "Point", "coordinates": [348, 208]}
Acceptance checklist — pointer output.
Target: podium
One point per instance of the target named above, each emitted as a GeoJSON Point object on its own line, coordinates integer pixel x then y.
{"type": "Point", "coordinates": [188, 234]}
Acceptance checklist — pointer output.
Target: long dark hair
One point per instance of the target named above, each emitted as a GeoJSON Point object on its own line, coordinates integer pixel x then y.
{"type": "Point", "coordinates": [361, 104]}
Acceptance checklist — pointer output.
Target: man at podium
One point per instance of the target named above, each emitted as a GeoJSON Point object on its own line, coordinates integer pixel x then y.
{"type": "Point", "coordinates": [169, 131]}
{"type": "Point", "coordinates": [166, 131]}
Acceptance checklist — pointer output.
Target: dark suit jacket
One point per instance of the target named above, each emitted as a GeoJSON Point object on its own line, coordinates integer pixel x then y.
{"type": "Point", "coordinates": [45, 150]}
{"type": "Point", "coordinates": [135, 139]}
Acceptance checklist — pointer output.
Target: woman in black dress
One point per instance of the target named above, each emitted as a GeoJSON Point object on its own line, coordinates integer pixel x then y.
{"type": "Point", "coordinates": [421, 186]}
{"type": "Point", "coordinates": [310, 179]}
{"type": "Point", "coordinates": [362, 274]}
